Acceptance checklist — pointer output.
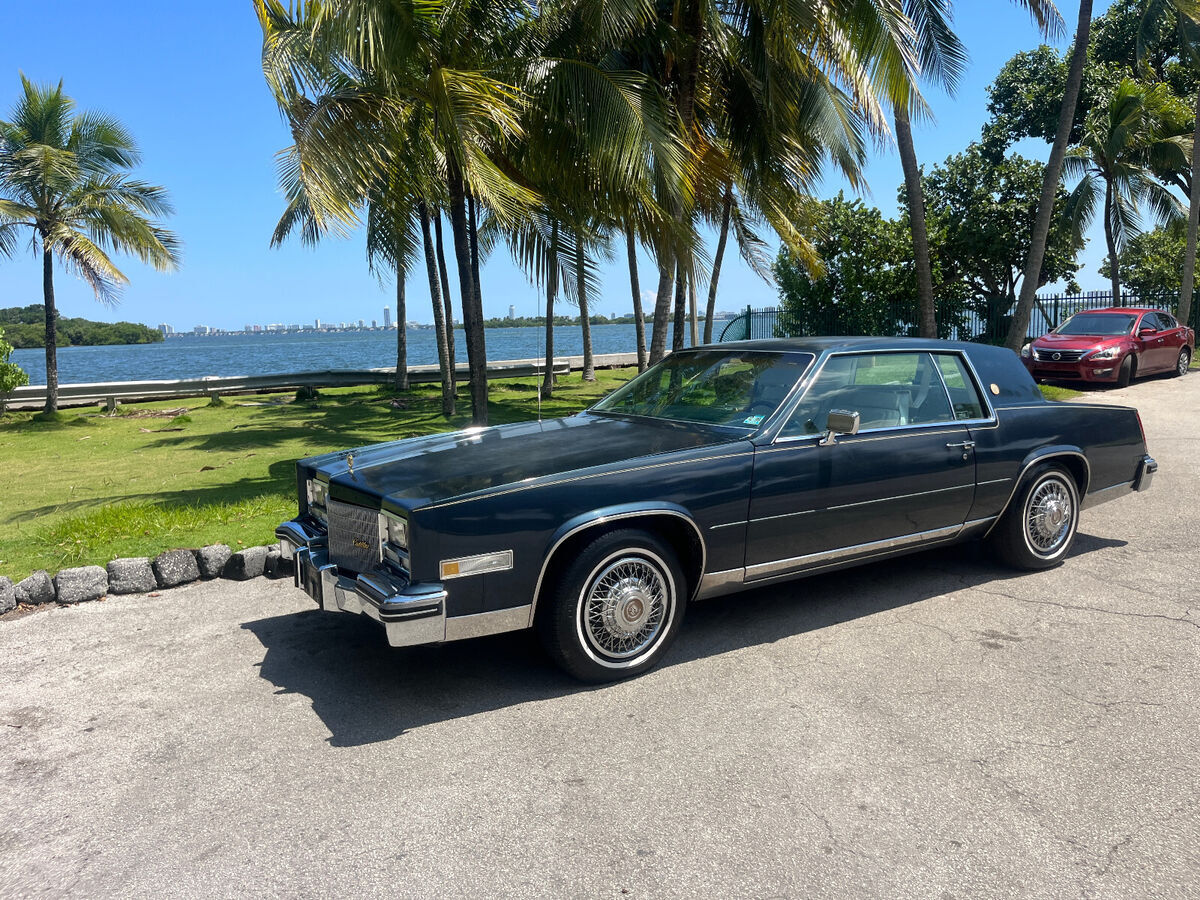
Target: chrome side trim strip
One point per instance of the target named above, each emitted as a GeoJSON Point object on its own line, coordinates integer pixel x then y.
{"type": "Point", "coordinates": [460, 628]}
{"type": "Point", "coordinates": [957, 487]}
{"type": "Point", "coordinates": [715, 584]}
{"type": "Point", "coordinates": [602, 520]}
{"type": "Point", "coordinates": [764, 570]}
{"type": "Point", "coordinates": [803, 512]}
{"type": "Point", "coordinates": [993, 481]}
{"type": "Point", "coordinates": [726, 525]}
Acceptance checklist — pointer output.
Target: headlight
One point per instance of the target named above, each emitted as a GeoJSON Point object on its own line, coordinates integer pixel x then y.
{"type": "Point", "coordinates": [1106, 353]}
{"type": "Point", "coordinates": [397, 531]}
{"type": "Point", "coordinates": [318, 496]}
{"type": "Point", "coordinates": [1026, 350]}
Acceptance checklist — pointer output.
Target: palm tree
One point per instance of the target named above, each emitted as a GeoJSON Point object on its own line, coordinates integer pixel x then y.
{"type": "Point", "coordinates": [1187, 25]}
{"type": "Point", "coordinates": [943, 59]}
{"type": "Point", "coordinates": [349, 77]}
{"type": "Point", "coordinates": [1121, 146]}
{"type": "Point", "coordinates": [1031, 276]}
{"type": "Point", "coordinates": [64, 175]}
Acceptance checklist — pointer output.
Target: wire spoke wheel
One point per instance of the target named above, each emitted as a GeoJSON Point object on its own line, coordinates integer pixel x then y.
{"type": "Point", "coordinates": [623, 607]}
{"type": "Point", "coordinates": [1049, 516]}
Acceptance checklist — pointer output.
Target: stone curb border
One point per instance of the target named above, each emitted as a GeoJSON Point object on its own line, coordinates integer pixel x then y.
{"type": "Point", "coordinates": [140, 575]}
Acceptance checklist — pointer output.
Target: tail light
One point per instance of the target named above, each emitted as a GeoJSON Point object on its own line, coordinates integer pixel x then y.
{"type": "Point", "coordinates": [1141, 428]}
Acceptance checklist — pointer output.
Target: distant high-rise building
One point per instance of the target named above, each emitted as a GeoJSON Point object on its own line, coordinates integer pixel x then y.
{"type": "Point", "coordinates": [512, 312]}
{"type": "Point", "coordinates": [317, 324]}
{"type": "Point", "coordinates": [387, 317]}
{"type": "Point", "coordinates": [374, 323]}
{"type": "Point", "coordinates": [361, 324]}
{"type": "Point", "coordinates": [166, 329]}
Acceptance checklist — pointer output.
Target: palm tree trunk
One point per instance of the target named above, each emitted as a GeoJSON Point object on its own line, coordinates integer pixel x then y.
{"type": "Point", "coordinates": [471, 306]}
{"type": "Point", "coordinates": [439, 315]}
{"type": "Point", "coordinates": [677, 335]}
{"type": "Point", "coordinates": [1031, 277]}
{"type": "Point", "coordinates": [710, 310]}
{"type": "Point", "coordinates": [551, 296]}
{"type": "Point", "coordinates": [662, 309]}
{"type": "Point", "coordinates": [401, 334]}
{"type": "Point", "coordinates": [927, 314]}
{"type": "Point", "coordinates": [692, 327]}
{"type": "Point", "coordinates": [51, 330]}
{"type": "Point", "coordinates": [589, 366]}
{"type": "Point", "coordinates": [451, 351]}
{"type": "Point", "coordinates": [1114, 263]}
{"type": "Point", "coordinates": [1189, 256]}
{"type": "Point", "coordinates": [639, 317]}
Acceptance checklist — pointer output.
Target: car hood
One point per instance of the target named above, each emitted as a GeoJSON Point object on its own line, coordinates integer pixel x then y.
{"type": "Point", "coordinates": [418, 471]}
{"type": "Point", "coordinates": [1077, 341]}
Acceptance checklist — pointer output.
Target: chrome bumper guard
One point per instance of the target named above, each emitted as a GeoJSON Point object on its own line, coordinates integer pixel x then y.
{"type": "Point", "coordinates": [409, 613]}
{"type": "Point", "coordinates": [1145, 474]}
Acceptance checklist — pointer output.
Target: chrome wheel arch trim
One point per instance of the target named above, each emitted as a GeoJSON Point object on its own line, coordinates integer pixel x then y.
{"type": "Point", "coordinates": [1047, 454]}
{"type": "Point", "coordinates": [597, 519]}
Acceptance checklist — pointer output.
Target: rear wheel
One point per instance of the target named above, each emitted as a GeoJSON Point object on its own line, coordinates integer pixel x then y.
{"type": "Point", "coordinates": [1125, 375]}
{"type": "Point", "coordinates": [1039, 526]}
{"type": "Point", "coordinates": [616, 608]}
{"type": "Point", "coordinates": [1185, 360]}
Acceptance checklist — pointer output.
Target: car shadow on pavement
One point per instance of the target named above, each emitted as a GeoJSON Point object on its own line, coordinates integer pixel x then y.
{"type": "Point", "coordinates": [365, 691]}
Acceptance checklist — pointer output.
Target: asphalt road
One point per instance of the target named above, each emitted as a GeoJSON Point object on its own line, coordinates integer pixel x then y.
{"type": "Point", "coordinates": [932, 727]}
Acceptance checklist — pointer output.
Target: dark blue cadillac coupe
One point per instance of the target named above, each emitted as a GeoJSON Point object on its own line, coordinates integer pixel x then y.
{"type": "Point", "coordinates": [721, 468]}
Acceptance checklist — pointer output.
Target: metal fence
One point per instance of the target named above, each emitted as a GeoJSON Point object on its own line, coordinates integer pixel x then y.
{"type": "Point", "coordinates": [981, 323]}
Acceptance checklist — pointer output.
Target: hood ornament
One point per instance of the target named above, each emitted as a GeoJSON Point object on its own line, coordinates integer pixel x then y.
{"type": "Point", "coordinates": [350, 462]}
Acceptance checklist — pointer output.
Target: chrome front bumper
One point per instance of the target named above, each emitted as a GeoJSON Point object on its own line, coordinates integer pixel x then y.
{"type": "Point", "coordinates": [410, 613]}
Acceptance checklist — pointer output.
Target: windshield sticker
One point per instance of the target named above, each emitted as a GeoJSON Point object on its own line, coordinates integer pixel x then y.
{"type": "Point", "coordinates": [753, 420]}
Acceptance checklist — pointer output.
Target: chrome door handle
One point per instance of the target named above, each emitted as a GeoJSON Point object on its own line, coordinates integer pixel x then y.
{"type": "Point", "coordinates": [964, 446]}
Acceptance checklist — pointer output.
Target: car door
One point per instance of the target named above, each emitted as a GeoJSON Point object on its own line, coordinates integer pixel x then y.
{"type": "Point", "coordinates": [1173, 339]}
{"type": "Point", "coordinates": [1155, 349]}
{"type": "Point", "coordinates": [907, 477]}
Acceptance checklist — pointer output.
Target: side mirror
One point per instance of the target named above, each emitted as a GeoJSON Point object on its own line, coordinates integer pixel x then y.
{"type": "Point", "coordinates": [1142, 332]}
{"type": "Point", "coordinates": [840, 421]}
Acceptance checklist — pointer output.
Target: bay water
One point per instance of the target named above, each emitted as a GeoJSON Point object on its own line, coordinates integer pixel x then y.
{"type": "Point", "coordinates": [272, 353]}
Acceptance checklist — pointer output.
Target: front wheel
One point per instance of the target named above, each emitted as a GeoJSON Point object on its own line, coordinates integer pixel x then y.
{"type": "Point", "coordinates": [616, 608]}
{"type": "Point", "coordinates": [1125, 374]}
{"type": "Point", "coordinates": [1039, 526]}
{"type": "Point", "coordinates": [1185, 360]}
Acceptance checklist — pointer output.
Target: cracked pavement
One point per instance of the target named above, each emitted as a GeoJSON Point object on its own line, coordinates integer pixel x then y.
{"type": "Point", "coordinates": [934, 726]}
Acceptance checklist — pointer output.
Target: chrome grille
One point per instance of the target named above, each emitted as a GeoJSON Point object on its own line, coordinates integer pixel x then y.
{"type": "Point", "coordinates": [1062, 355]}
{"type": "Point", "coordinates": [347, 524]}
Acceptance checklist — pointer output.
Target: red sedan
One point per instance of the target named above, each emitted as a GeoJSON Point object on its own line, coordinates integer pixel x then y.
{"type": "Point", "coordinates": [1112, 345]}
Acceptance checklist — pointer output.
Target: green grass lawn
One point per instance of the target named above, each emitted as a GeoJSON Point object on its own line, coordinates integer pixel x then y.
{"type": "Point", "coordinates": [95, 487]}
{"type": "Point", "coordinates": [184, 474]}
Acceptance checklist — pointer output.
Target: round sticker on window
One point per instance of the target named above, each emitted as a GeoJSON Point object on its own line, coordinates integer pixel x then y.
{"type": "Point", "coordinates": [995, 388]}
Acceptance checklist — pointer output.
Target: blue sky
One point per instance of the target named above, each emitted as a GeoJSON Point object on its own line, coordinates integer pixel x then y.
{"type": "Point", "coordinates": [185, 78]}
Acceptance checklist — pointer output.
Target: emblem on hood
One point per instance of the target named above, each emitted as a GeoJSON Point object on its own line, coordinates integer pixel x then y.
{"type": "Point", "coordinates": [350, 462]}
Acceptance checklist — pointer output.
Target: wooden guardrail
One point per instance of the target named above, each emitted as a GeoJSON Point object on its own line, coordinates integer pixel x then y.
{"type": "Point", "coordinates": [34, 395]}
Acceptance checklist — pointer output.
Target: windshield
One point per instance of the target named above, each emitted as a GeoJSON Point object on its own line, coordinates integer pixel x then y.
{"type": "Point", "coordinates": [1097, 323]}
{"type": "Point", "coordinates": [714, 387]}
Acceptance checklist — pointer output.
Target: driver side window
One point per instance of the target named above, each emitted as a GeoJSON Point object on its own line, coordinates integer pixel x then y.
{"type": "Point", "coordinates": [887, 390]}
